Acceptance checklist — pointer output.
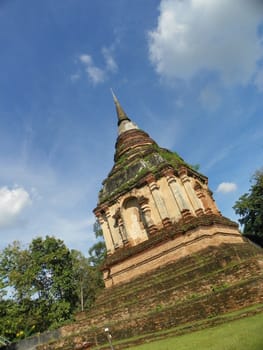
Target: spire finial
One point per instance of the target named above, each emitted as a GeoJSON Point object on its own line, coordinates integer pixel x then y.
{"type": "Point", "coordinates": [114, 97]}
{"type": "Point", "coordinates": [120, 112]}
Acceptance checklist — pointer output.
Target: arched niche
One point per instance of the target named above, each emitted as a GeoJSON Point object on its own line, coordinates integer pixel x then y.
{"type": "Point", "coordinates": [134, 220]}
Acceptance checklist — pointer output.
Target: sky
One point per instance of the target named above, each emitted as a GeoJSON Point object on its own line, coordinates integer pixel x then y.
{"type": "Point", "coordinates": [188, 72]}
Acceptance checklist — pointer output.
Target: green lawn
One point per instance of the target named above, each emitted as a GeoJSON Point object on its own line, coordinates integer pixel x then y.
{"type": "Point", "coordinates": [243, 334]}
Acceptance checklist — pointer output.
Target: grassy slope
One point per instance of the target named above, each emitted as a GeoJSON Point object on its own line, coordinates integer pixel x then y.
{"type": "Point", "coordinates": [243, 334]}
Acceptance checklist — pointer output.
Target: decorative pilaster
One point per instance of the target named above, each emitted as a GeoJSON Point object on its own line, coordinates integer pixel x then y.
{"type": "Point", "coordinates": [106, 231]}
{"type": "Point", "coordinates": [194, 200]}
{"type": "Point", "coordinates": [146, 210]}
{"type": "Point", "coordinates": [182, 207]}
{"type": "Point", "coordinates": [203, 197]}
{"type": "Point", "coordinates": [158, 200]}
{"type": "Point", "coordinates": [114, 230]}
{"type": "Point", "coordinates": [122, 231]}
{"type": "Point", "coordinates": [120, 226]}
{"type": "Point", "coordinates": [211, 201]}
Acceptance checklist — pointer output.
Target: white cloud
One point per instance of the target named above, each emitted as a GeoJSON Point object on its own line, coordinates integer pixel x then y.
{"type": "Point", "coordinates": [111, 64]}
{"type": "Point", "coordinates": [218, 156]}
{"type": "Point", "coordinates": [12, 203]}
{"type": "Point", "coordinates": [87, 59]}
{"type": "Point", "coordinates": [96, 74]}
{"type": "Point", "coordinates": [74, 77]}
{"type": "Point", "coordinates": [207, 35]}
{"type": "Point", "coordinates": [226, 187]}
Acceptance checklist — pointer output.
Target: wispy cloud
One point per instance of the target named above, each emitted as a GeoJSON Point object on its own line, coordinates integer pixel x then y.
{"type": "Point", "coordinates": [195, 36]}
{"type": "Point", "coordinates": [111, 64]}
{"type": "Point", "coordinates": [219, 156]}
{"type": "Point", "coordinates": [74, 77]}
{"type": "Point", "coordinates": [95, 73]}
{"type": "Point", "coordinates": [226, 187]}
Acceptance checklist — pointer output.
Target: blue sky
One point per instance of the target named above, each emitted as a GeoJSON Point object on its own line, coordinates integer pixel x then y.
{"type": "Point", "coordinates": [188, 72]}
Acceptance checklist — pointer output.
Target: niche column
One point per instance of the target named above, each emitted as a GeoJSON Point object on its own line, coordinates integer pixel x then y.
{"type": "Point", "coordinates": [120, 226]}
{"type": "Point", "coordinates": [114, 230]}
{"type": "Point", "coordinates": [102, 217]}
{"type": "Point", "coordinates": [158, 200]}
{"type": "Point", "coordinates": [182, 208]}
{"type": "Point", "coordinates": [196, 203]}
{"type": "Point", "coordinates": [146, 211]}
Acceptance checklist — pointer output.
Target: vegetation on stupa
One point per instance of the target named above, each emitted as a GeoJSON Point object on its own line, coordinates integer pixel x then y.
{"type": "Point", "coordinates": [131, 168]}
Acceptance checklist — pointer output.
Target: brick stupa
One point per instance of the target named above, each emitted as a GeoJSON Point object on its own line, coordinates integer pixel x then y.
{"type": "Point", "coordinates": [154, 208]}
{"type": "Point", "coordinates": [174, 263]}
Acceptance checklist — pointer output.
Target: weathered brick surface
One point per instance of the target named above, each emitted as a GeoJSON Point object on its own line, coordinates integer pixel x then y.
{"type": "Point", "coordinates": [169, 245]}
{"type": "Point", "coordinates": [208, 283]}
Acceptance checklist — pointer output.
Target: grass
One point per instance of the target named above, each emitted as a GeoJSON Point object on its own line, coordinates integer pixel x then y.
{"type": "Point", "coordinates": [243, 334]}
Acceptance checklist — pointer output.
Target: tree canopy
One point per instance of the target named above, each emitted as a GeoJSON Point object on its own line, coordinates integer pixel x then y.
{"type": "Point", "coordinates": [250, 207]}
{"type": "Point", "coordinates": [97, 252]}
{"type": "Point", "coordinates": [39, 280]}
{"type": "Point", "coordinates": [42, 285]}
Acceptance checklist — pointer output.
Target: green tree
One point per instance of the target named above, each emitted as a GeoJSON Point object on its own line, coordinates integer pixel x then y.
{"type": "Point", "coordinates": [87, 280]}
{"type": "Point", "coordinates": [15, 272]}
{"type": "Point", "coordinates": [97, 256]}
{"type": "Point", "coordinates": [40, 285]}
{"type": "Point", "coordinates": [52, 265]}
{"type": "Point", "coordinates": [97, 253]}
{"type": "Point", "coordinates": [250, 207]}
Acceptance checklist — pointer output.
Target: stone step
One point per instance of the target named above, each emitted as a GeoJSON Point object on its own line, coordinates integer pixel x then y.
{"type": "Point", "coordinates": [176, 269]}
{"type": "Point", "coordinates": [196, 289]}
{"type": "Point", "coordinates": [188, 289]}
{"type": "Point", "coordinates": [170, 289]}
{"type": "Point", "coordinates": [211, 283]}
{"type": "Point", "coordinates": [205, 307]}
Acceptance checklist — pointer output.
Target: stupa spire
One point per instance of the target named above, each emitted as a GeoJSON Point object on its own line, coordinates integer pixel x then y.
{"type": "Point", "coordinates": [120, 111]}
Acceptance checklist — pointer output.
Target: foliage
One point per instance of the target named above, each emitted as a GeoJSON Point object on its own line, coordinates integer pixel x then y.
{"type": "Point", "coordinates": [87, 280]}
{"type": "Point", "coordinates": [97, 256]}
{"type": "Point", "coordinates": [97, 230]}
{"type": "Point", "coordinates": [195, 167]}
{"type": "Point", "coordinates": [41, 286]}
{"type": "Point", "coordinates": [250, 207]}
{"type": "Point", "coordinates": [52, 265]}
{"type": "Point", "coordinates": [171, 157]}
{"type": "Point", "coordinates": [87, 273]}
{"type": "Point", "coordinates": [98, 251]}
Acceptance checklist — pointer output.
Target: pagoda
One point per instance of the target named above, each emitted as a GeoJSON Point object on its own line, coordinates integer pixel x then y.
{"type": "Point", "coordinates": [154, 208]}
{"type": "Point", "coordinates": [174, 263]}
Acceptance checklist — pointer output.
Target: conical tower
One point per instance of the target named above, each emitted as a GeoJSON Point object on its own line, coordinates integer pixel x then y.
{"type": "Point", "coordinates": [151, 194]}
